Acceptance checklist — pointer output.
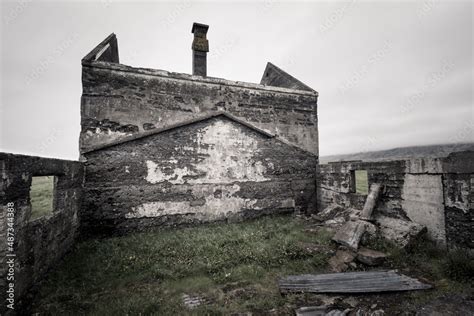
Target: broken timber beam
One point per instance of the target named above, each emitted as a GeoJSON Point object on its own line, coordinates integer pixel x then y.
{"type": "Point", "coordinates": [371, 201]}
{"type": "Point", "coordinates": [351, 282]}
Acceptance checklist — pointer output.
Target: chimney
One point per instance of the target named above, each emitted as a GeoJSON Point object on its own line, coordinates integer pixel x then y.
{"type": "Point", "coordinates": [200, 48]}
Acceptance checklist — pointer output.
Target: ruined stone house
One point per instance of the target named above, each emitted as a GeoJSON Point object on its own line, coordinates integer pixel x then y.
{"type": "Point", "coordinates": [166, 148]}
{"type": "Point", "coordinates": [162, 148]}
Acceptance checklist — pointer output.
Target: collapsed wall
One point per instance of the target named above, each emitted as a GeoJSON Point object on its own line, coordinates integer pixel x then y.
{"type": "Point", "coordinates": [435, 192]}
{"type": "Point", "coordinates": [34, 246]}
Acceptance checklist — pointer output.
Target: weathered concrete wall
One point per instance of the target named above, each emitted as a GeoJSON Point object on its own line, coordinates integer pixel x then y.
{"type": "Point", "coordinates": [337, 185]}
{"type": "Point", "coordinates": [40, 243]}
{"type": "Point", "coordinates": [119, 101]}
{"type": "Point", "coordinates": [423, 203]}
{"type": "Point", "coordinates": [208, 170]}
{"type": "Point", "coordinates": [458, 182]}
{"type": "Point", "coordinates": [435, 192]}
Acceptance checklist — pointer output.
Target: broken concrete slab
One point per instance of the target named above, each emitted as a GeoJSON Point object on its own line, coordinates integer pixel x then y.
{"type": "Point", "coordinates": [350, 234]}
{"type": "Point", "coordinates": [402, 232]}
{"type": "Point", "coordinates": [330, 212]}
{"type": "Point", "coordinates": [339, 262]}
{"type": "Point", "coordinates": [353, 214]}
{"type": "Point", "coordinates": [350, 282]}
{"type": "Point", "coordinates": [336, 221]}
{"type": "Point", "coordinates": [369, 235]}
{"type": "Point", "coordinates": [370, 257]}
{"type": "Point", "coordinates": [371, 201]}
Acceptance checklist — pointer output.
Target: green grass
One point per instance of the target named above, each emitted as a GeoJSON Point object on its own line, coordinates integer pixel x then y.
{"type": "Point", "coordinates": [361, 182]}
{"type": "Point", "coordinates": [449, 272]}
{"type": "Point", "coordinates": [235, 266]}
{"type": "Point", "coordinates": [41, 195]}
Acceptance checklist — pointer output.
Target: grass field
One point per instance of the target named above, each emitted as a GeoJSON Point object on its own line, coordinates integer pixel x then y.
{"type": "Point", "coordinates": [41, 195]}
{"type": "Point", "coordinates": [361, 182]}
{"type": "Point", "coordinates": [235, 267]}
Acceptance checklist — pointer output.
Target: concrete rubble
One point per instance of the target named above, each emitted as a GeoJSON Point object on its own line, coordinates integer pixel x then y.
{"type": "Point", "coordinates": [353, 227]}
{"type": "Point", "coordinates": [341, 260]}
{"type": "Point", "coordinates": [350, 232]}
{"type": "Point", "coordinates": [370, 257]}
{"type": "Point", "coordinates": [401, 232]}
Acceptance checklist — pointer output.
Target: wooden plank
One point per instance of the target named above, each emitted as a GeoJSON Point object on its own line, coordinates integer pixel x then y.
{"type": "Point", "coordinates": [371, 201]}
{"type": "Point", "coordinates": [351, 282]}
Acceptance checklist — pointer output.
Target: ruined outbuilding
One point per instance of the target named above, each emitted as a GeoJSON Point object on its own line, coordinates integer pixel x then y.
{"type": "Point", "coordinates": [164, 148]}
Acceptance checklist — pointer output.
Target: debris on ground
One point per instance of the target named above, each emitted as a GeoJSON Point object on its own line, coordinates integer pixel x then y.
{"type": "Point", "coordinates": [350, 234]}
{"type": "Point", "coordinates": [378, 312]}
{"type": "Point", "coordinates": [334, 216]}
{"type": "Point", "coordinates": [193, 301]}
{"type": "Point", "coordinates": [353, 226]}
{"type": "Point", "coordinates": [370, 257]}
{"type": "Point", "coordinates": [340, 261]}
{"type": "Point", "coordinates": [350, 282]}
{"type": "Point", "coordinates": [371, 201]}
{"type": "Point", "coordinates": [320, 311]}
{"type": "Point", "coordinates": [330, 212]}
{"type": "Point", "coordinates": [402, 232]}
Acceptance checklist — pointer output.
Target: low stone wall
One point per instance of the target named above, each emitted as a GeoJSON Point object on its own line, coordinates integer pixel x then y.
{"type": "Point", "coordinates": [37, 244]}
{"type": "Point", "coordinates": [435, 192]}
{"type": "Point", "coordinates": [213, 169]}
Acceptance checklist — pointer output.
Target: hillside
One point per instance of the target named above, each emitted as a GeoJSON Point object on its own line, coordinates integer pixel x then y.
{"type": "Point", "coordinates": [401, 153]}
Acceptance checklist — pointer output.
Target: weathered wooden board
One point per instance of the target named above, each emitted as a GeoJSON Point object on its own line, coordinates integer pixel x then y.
{"type": "Point", "coordinates": [351, 282]}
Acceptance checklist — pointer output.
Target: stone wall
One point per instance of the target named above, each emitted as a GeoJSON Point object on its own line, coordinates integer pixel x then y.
{"type": "Point", "coordinates": [204, 170]}
{"type": "Point", "coordinates": [38, 244]}
{"type": "Point", "coordinates": [119, 101]}
{"type": "Point", "coordinates": [435, 192]}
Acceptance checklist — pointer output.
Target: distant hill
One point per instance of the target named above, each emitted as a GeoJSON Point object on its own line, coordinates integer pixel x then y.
{"type": "Point", "coordinates": [401, 153]}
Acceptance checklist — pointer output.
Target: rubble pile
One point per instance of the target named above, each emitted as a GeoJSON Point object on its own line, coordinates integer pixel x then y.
{"type": "Point", "coordinates": [354, 227]}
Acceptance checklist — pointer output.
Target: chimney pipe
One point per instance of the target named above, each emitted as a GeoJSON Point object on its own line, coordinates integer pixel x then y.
{"type": "Point", "coordinates": [200, 48]}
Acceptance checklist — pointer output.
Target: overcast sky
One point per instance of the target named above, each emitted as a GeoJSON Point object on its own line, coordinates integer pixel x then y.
{"type": "Point", "coordinates": [389, 74]}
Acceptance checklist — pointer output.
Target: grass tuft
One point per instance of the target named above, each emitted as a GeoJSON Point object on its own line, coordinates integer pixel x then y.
{"type": "Point", "coordinates": [459, 265]}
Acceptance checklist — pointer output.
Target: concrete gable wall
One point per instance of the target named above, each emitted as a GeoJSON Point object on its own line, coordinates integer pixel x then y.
{"type": "Point", "coordinates": [211, 170]}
